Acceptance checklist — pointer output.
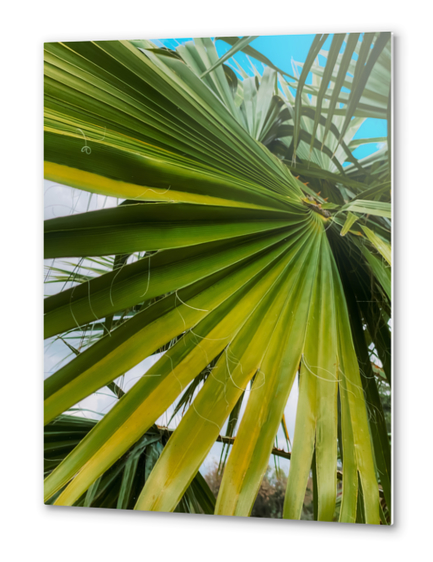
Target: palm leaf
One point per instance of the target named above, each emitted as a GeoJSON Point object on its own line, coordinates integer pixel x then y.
{"type": "Point", "coordinates": [239, 275]}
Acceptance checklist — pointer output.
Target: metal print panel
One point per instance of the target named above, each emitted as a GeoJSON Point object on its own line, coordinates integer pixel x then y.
{"type": "Point", "coordinates": [218, 276]}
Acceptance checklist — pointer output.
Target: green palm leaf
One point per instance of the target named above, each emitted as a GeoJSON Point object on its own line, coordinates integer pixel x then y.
{"type": "Point", "coordinates": [242, 269]}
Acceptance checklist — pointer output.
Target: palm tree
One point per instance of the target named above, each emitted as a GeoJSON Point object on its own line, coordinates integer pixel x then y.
{"type": "Point", "coordinates": [251, 246]}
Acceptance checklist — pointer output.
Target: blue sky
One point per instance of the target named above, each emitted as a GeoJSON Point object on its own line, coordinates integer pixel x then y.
{"type": "Point", "coordinates": [281, 50]}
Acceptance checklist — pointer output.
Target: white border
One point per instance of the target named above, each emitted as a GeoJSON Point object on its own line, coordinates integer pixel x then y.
{"type": "Point", "coordinates": [67, 534]}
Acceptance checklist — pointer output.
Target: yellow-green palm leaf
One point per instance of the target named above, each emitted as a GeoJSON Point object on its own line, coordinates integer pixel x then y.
{"type": "Point", "coordinates": [242, 266]}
